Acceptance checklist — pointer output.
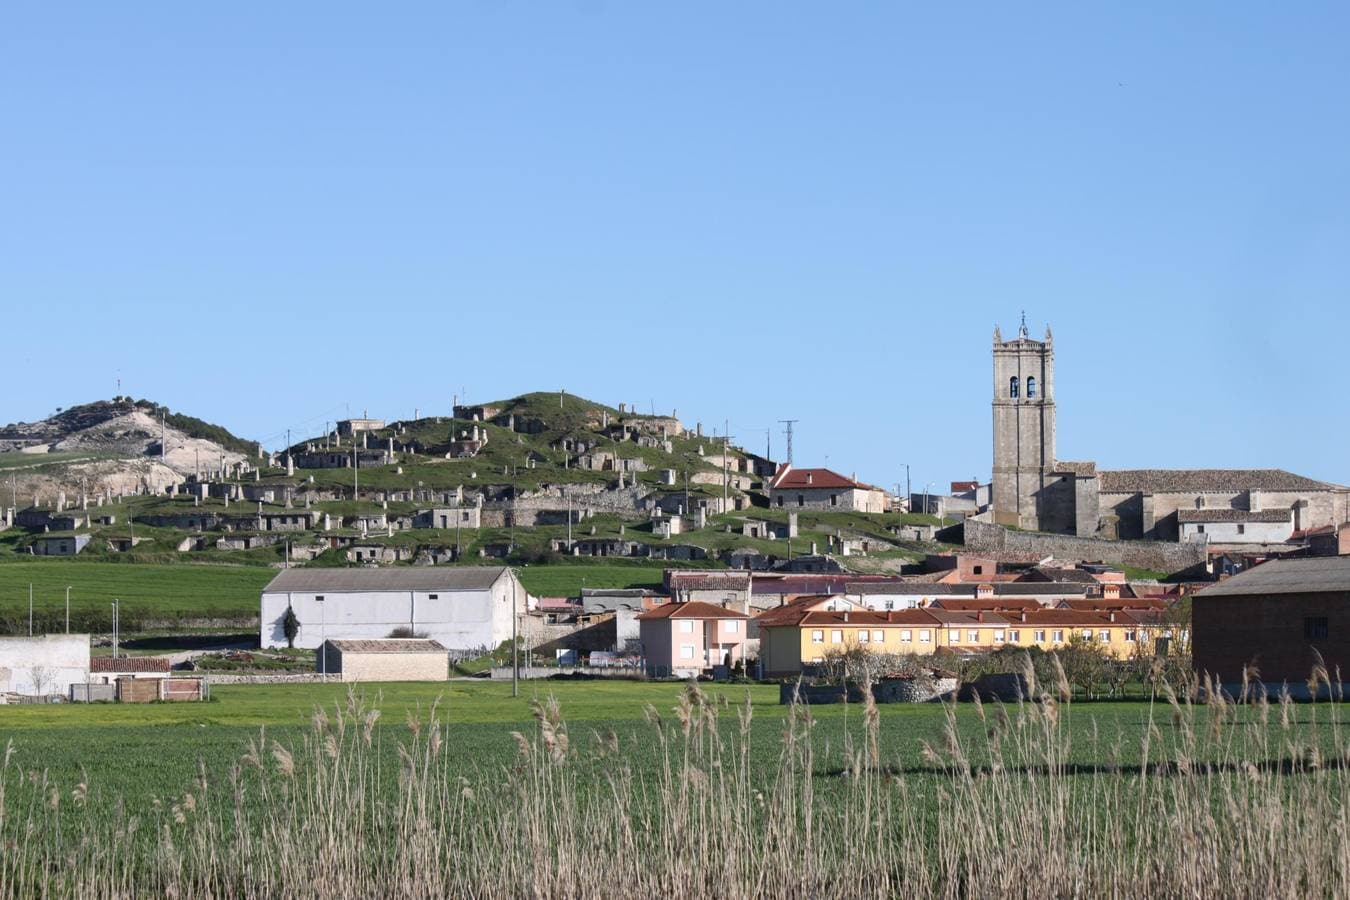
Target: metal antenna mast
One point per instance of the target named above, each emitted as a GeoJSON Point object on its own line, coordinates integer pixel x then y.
{"type": "Point", "coordinates": [788, 431]}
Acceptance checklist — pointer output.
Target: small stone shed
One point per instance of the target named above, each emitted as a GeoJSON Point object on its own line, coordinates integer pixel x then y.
{"type": "Point", "coordinates": [384, 659]}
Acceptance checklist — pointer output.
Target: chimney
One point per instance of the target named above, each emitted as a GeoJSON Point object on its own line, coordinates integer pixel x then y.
{"type": "Point", "coordinates": [979, 615]}
{"type": "Point", "coordinates": [1024, 615]}
{"type": "Point", "coordinates": [810, 478]}
{"type": "Point", "coordinates": [1113, 616]}
{"type": "Point", "coordinates": [845, 616]}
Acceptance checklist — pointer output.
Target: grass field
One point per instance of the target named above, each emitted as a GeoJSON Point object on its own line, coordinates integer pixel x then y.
{"type": "Point", "coordinates": [147, 592]}
{"type": "Point", "coordinates": [631, 789]}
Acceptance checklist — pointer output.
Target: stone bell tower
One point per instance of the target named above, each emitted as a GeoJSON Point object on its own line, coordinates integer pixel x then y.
{"type": "Point", "coordinates": [1024, 429]}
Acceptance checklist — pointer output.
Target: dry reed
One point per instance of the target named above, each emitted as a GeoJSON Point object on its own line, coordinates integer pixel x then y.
{"type": "Point", "coordinates": [1210, 805]}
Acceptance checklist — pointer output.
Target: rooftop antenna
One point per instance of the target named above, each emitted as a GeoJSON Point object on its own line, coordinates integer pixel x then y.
{"type": "Point", "coordinates": [788, 431]}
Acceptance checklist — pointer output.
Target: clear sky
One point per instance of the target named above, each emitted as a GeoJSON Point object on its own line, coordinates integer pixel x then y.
{"type": "Point", "coordinates": [268, 214]}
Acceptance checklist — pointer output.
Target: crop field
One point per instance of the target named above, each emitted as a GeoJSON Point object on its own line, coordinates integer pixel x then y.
{"type": "Point", "coordinates": [147, 592]}
{"type": "Point", "coordinates": [459, 787]}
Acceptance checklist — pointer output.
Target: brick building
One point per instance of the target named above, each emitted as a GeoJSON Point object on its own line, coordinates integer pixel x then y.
{"type": "Point", "coordinates": [1273, 617]}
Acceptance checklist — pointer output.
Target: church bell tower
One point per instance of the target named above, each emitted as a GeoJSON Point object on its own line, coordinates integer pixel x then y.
{"type": "Point", "coordinates": [1024, 427]}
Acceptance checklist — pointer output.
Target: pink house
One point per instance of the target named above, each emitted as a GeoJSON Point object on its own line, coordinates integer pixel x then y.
{"type": "Point", "coordinates": [683, 639]}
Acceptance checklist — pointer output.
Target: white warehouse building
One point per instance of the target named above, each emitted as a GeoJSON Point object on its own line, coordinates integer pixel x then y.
{"type": "Point", "coordinates": [43, 665]}
{"type": "Point", "coordinates": [464, 608]}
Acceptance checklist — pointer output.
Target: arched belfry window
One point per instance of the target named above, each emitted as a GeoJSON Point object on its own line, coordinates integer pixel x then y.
{"type": "Point", "coordinates": [1012, 387]}
{"type": "Point", "coordinates": [1031, 388]}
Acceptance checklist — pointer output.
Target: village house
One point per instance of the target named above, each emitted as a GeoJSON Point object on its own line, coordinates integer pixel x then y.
{"type": "Point", "coordinates": [684, 639]}
{"type": "Point", "coordinates": [108, 669]}
{"type": "Point", "coordinates": [349, 427]}
{"type": "Point", "coordinates": [822, 489]}
{"type": "Point", "coordinates": [449, 517]}
{"type": "Point", "coordinates": [461, 607]}
{"type": "Point", "coordinates": [719, 588]}
{"type": "Point", "coordinates": [70, 544]}
{"type": "Point", "coordinates": [383, 659]}
{"type": "Point", "coordinates": [1281, 617]}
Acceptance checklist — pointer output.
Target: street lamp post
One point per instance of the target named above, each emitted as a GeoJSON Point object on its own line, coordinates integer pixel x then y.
{"type": "Point", "coordinates": [925, 496]}
{"type": "Point", "coordinates": [515, 662]}
{"type": "Point", "coordinates": [116, 623]}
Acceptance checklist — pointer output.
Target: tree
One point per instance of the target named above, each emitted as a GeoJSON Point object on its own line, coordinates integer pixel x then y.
{"type": "Point", "coordinates": [290, 626]}
{"type": "Point", "coordinates": [1086, 663]}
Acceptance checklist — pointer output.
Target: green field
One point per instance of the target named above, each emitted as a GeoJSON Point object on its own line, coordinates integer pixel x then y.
{"type": "Point", "coordinates": [480, 716]}
{"type": "Point", "coordinates": [147, 592]}
{"type": "Point", "coordinates": [1124, 799]}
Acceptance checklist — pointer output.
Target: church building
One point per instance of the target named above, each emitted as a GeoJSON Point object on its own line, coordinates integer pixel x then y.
{"type": "Point", "coordinates": [1035, 491]}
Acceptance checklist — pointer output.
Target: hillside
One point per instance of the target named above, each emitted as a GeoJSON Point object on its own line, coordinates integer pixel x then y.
{"type": "Point", "coordinates": [113, 446]}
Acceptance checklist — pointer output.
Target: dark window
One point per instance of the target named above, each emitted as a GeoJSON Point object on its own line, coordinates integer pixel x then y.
{"type": "Point", "coordinates": [979, 570]}
{"type": "Point", "coordinates": [1242, 529]}
{"type": "Point", "coordinates": [1315, 628]}
{"type": "Point", "coordinates": [834, 499]}
{"type": "Point", "coordinates": [801, 501]}
{"type": "Point", "coordinates": [780, 499]}
{"type": "Point", "coordinates": [1200, 529]}
{"type": "Point", "coordinates": [319, 598]}
{"type": "Point", "coordinates": [1013, 387]}
{"type": "Point", "coordinates": [433, 596]}
{"type": "Point", "coordinates": [1031, 388]}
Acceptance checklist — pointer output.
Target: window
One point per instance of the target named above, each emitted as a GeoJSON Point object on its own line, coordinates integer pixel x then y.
{"type": "Point", "coordinates": [780, 499]}
{"type": "Point", "coordinates": [1129, 636]}
{"type": "Point", "coordinates": [1315, 629]}
{"type": "Point", "coordinates": [1014, 636]}
{"type": "Point", "coordinates": [686, 651]}
{"type": "Point", "coordinates": [817, 636]}
{"type": "Point", "coordinates": [733, 626]}
{"type": "Point", "coordinates": [925, 636]}
{"type": "Point", "coordinates": [319, 598]}
{"type": "Point", "coordinates": [953, 636]}
{"type": "Point", "coordinates": [878, 636]}
{"type": "Point", "coordinates": [433, 596]}
{"type": "Point", "coordinates": [1031, 388]}
{"type": "Point", "coordinates": [1242, 529]}
{"type": "Point", "coordinates": [862, 636]}
{"type": "Point", "coordinates": [836, 636]}
{"type": "Point", "coordinates": [1199, 529]}
{"type": "Point", "coordinates": [1040, 636]}
{"type": "Point", "coordinates": [906, 635]}
{"type": "Point", "coordinates": [973, 636]}
{"type": "Point", "coordinates": [1013, 387]}
{"type": "Point", "coordinates": [1104, 637]}
{"type": "Point", "coordinates": [834, 499]}
{"type": "Point", "coordinates": [1087, 634]}
{"type": "Point", "coordinates": [979, 570]}
{"type": "Point", "coordinates": [1059, 636]}
{"type": "Point", "coordinates": [686, 626]}
{"type": "Point", "coordinates": [998, 637]}
{"type": "Point", "coordinates": [801, 501]}
{"type": "Point", "coordinates": [890, 604]}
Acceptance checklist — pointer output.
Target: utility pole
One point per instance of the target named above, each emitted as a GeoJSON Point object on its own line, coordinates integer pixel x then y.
{"type": "Point", "coordinates": [67, 609]}
{"type": "Point", "coordinates": [907, 493]}
{"type": "Point", "coordinates": [30, 609]}
{"type": "Point", "coordinates": [768, 443]}
{"type": "Point", "coordinates": [515, 662]}
{"type": "Point", "coordinates": [116, 618]}
{"type": "Point", "coordinates": [163, 435]}
{"type": "Point", "coordinates": [788, 431]}
{"type": "Point", "coordinates": [568, 495]}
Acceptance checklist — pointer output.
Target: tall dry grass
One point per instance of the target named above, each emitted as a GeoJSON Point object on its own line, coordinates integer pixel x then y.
{"type": "Point", "coordinates": [1211, 802]}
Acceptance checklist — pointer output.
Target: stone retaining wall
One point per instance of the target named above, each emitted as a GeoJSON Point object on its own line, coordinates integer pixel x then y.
{"type": "Point", "coordinates": [984, 537]}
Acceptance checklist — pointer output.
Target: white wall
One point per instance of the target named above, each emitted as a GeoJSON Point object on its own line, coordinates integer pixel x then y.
{"type": "Point", "coordinates": [1227, 532]}
{"type": "Point", "coordinates": [460, 620]}
{"type": "Point", "coordinates": [55, 660]}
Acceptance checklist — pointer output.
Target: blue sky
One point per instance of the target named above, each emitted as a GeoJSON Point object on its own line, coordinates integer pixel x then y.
{"type": "Point", "coordinates": [267, 214]}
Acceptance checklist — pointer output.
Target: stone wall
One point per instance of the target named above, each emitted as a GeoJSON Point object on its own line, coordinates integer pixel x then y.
{"type": "Point", "coordinates": [982, 537]}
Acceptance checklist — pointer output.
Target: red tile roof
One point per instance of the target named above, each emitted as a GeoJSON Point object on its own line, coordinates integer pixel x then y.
{"type": "Point", "coordinates": [694, 609]}
{"type": "Point", "coordinates": [1124, 603]}
{"type": "Point", "coordinates": [993, 604]}
{"type": "Point", "coordinates": [788, 478]}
